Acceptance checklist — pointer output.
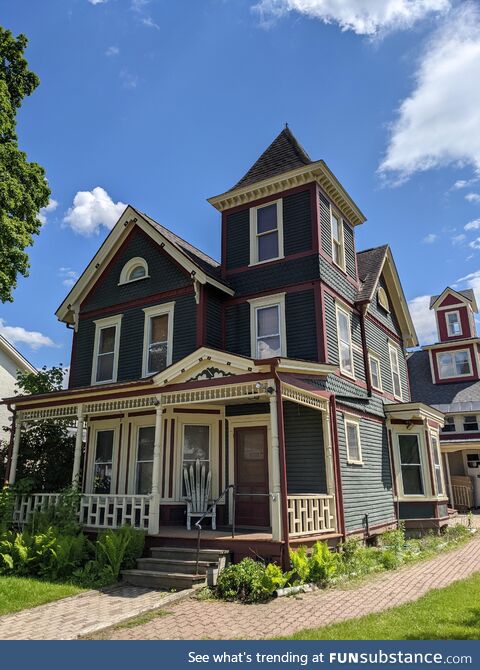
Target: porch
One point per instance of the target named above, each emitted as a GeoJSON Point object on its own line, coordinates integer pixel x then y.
{"type": "Point", "coordinates": [264, 436]}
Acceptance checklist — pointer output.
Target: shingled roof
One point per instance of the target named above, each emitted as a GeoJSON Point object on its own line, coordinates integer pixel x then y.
{"type": "Point", "coordinates": [284, 154]}
{"type": "Point", "coordinates": [369, 263]}
{"type": "Point", "coordinates": [467, 293]}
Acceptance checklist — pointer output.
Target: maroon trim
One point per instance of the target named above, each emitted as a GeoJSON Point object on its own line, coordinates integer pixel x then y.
{"type": "Point", "coordinates": [336, 466]}
{"type": "Point", "coordinates": [71, 376]}
{"type": "Point", "coordinates": [156, 298]}
{"type": "Point", "coordinates": [449, 437]}
{"type": "Point", "coordinates": [223, 264]}
{"type": "Point", "coordinates": [336, 267]}
{"type": "Point", "coordinates": [433, 424]}
{"type": "Point", "coordinates": [10, 447]}
{"type": "Point", "coordinates": [450, 300]}
{"type": "Point", "coordinates": [404, 422]}
{"type": "Point", "coordinates": [345, 409]}
{"type": "Point", "coordinates": [292, 288]}
{"type": "Point", "coordinates": [172, 447]}
{"type": "Point", "coordinates": [218, 381]}
{"type": "Point", "coordinates": [164, 473]}
{"type": "Point", "coordinates": [446, 350]}
{"type": "Point", "coordinates": [128, 455]}
{"type": "Point", "coordinates": [335, 294]}
{"type": "Point", "coordinates": [277, 261]}
{"type": "Point", "coordinates": [85, 462]}
{"type": "Point", "coordinates": [187, 410]}
{"type": "Point", "coordinates": [119, 457]}
{"type": "Point", "coordinates": [324, 323]}
{"type": "Point", "coordinates": [283, 472]}
{"type": "Point", "coordinates": [146, 413]}
{"type": "Point", "coordinates": [220, 456]}
{"type": "Point", "coordinates": [105, 417]}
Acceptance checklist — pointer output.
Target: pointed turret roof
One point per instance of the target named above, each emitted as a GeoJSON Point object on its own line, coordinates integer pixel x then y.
{"type": "Point", "coordinates": [284, 154]}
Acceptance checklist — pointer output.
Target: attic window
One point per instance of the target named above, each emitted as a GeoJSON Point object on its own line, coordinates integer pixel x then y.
{"type": "Point", "coordinates": [383, 299]}
{"type": "Point", "coordinates": [133, 270]}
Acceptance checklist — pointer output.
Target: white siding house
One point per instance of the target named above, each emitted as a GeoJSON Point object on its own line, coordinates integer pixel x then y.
{"type": "Point", "coordinates": [11, 361]}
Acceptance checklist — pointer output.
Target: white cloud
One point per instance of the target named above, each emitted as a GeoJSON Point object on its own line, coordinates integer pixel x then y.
{"type": "Point", "coordinates": [430, 238]}
{"type": "Point", "coordinates": [364, 17]}
{"type": "Point", "coordinates": [438, 123]}
{"type": "Point", "coordinates": [473, 197]}
{"type": "Point", "coordinates": [112, 51]}
{"type": "Point", "coordinates": [458, 239]}
{"type": "Point", "coordinates": [465, 183]}
{"type": "Point", "coordinates": [43, 213]}
{"type": "Point", "coordinates": [91, 210]}
{"type": "Point", "coordinates": [475, 244]}
{"type": "Point", "coordinates": [150, 23]}
{"type": "Point", "coordinates": [32, 338]}
{"type": "Point", "coordinates": [97, 2]}
{"type": "Point", "coordinates": [128, 79]}
{"type": "Point", "coordinates": [472, 225]}
{"type": "Point", "coordinates": [68, 276]}
{"type": "Point", "coordinates": [423, 319]}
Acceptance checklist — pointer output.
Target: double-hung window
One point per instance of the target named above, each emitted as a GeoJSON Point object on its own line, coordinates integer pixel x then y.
{"type": "Point", "coordinates": [338, 249]}
{"type": "Point", "coordinates": [375, 372]}
{"type": "Point", "coordinates": [470, 423]}
{"type": "Point", "coordinates": [454, 364]}
{"type": "Point", "coordinates": [352, 437]}
{"type": "Point", "coordinates": [395, 368]}
{"type": "Point", "coordinates": [158, 338]}
{"type": "Point", "coordinates": [267, 326]}
{"type": "Point", "coordinates": [345, 342]}
{"type": "Point", "coordinates": [411, 465]}
{"type": "Point", "coordinates": [437, 464]}
{"type": "Point", "coordinates": [266, 232]}
{"type": "Point", "coordinates": [144, 471]}
{"type": "Point", "coordinates": [449, 426]}
{"type": "Point", "coordinates": [103, 466]}
{"type": "Point", "coordinates": [453, 324]}
{"type": "Point", "coordinates": [105, 350]}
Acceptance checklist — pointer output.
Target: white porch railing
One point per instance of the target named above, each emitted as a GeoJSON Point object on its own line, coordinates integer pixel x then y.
{"type": "Point", "coordinates": [311, 513]}
{"type": "Point", "coordinates": [95, 510]}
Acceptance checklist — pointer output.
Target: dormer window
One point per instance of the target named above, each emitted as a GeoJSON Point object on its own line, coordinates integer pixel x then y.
{"type": "Point", "coordinates": [133, 270]}
{"type": "Point", "coordinates": [382, 299]}
{"type": "Point", "coordinates": [266, 232]}
{"type": "Point", "coordinates": [454, 364]}
{"type": "Point", "coordinates": [338, 250]}
{"type": "Point", "coordinates": [453, 324]}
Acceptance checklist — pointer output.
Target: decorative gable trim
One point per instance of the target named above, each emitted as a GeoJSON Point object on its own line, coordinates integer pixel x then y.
{"type": "Point", "coordinates": [438, 303]}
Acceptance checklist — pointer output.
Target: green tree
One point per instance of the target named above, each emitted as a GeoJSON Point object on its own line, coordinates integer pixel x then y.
{"type": "Point", "coordinates": [23, 187]}
{"type": "Point", "coordinates": [45, 459]}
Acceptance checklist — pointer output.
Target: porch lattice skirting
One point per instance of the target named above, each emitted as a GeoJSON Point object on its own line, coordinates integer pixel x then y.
{"type": "Point", "coordinates": [310, 514]}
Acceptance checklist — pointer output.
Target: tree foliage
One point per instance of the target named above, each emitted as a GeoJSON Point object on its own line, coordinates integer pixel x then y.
{"type": "Point", "coordinates": [23, 187]}
{"type": "Point", "coordinates": [45, 459]}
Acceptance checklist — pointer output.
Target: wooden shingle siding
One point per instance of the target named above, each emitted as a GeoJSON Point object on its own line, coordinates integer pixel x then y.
{"type": "Point", "coordinates": [350, 395]}
{"type": "Point", "coordinates": [237, 329]}
{"type": "Point", "coordinates": [387, 318]}
{"type": "Point", "coordinates": [304, 449]}
{"type": "Point", "coordinates": [297, 223]}
{"type": "Point", "coordinates": [213, 326]}
{"type": "Point", "coordinates": [238, 239]}
{"type": "Point", "coordinates": [350, 264]}
{"type": "Point", "coordinates": [367, 488]}
{"type": "Point", "coordinates": [335, 278]}
{"type": "Point", "coordinates": [275, 276]}
{"type": "Point", "coordinates": [300, 325]}
{"type": "Point", "coordinates": [164, 275]}
{"type": "Point", "coordinates": [131, 341]}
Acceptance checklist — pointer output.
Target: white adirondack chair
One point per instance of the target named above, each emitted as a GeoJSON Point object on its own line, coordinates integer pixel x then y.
{"type": "Point", "coordinates": [198, 487]}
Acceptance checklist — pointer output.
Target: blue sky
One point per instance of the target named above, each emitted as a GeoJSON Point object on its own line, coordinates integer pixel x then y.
{"type": "Point", "coordinates": [163, 104]}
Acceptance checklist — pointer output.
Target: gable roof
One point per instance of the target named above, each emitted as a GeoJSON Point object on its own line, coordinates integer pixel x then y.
{"type": "Point", "coordinates": [284, 154]}
{"type": "Point", "coordinates": [19, 360]}
{"type": "Point", "coordinates": [203, 268]}
{"type": "Point", "coordinates": [372, 263]}
{"type": "Point", "coordinates": [465, 294]}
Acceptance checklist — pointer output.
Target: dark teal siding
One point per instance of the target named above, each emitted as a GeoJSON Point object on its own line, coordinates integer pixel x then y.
{"type": "Point", "coordinates": [237, 329]}
{"type": "Point", "coordinates": [424, 510]}
{"type": "Point", "coordinates": [332, 337]}
{"type": "Point", "coordinates": [350, 261]}
{"type": "Point", "coordinates": [335, 278]}
{"type": "Point", "coordinates": [377, 342]}
{"type": "Point", "coordinates": [367, 488]}
{"type": "Point", "coordinates": [304, 449]}
{"type": "Point", "coordinates": [238, 239]}
{"type": "Point", "coordinates": [326, 237]}
{"type": "Point", "coordinates": [164, 275]}
{"type": "Point", "coordinates": [300, 325]}
{"type": "Point", "coordinates": [213, 326]}
{"type": "Point", "coordinates": [297, 223]}
{"type": "Point", "coordinates": [276, 276]}
{"type": "Point", "coordinates": [247, 409]}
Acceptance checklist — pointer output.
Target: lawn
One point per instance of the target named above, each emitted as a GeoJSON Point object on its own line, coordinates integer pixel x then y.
{"type": "Point", "coordinates": [452, 613]}
{"type": "Point", "coordinates": [18, 593]}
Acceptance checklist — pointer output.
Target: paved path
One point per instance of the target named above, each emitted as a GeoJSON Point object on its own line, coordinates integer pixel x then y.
{"type": "Point", "coordinates": [193, 619]}
{"type": "Point", "coordinates": [71, 617]}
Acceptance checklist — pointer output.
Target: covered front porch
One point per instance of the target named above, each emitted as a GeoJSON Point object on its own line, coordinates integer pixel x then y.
{"type": "Point", "coordinates": [260, 429]}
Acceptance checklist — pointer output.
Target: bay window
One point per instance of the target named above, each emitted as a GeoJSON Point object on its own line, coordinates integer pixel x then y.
{"type": "Point", "coordinates": [411, 465]}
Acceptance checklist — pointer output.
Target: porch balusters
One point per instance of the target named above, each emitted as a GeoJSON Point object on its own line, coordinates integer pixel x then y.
{"type": "Point", "coordinates": [16, 446]}
{"type": "Point", "coordinates": [78, 448]}
{"type": "Point", "coordinates": [154, 515]}
{"type": "Point", "coordinates": [276, 504]}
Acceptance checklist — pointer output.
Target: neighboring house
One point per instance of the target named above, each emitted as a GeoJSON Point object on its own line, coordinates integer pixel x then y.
{"type": "Point", "coordinates": [446, 375]}
{"type": "Point", "coordinates": [11, 362]}
{"type": "Point", "coordinates": [282, 369]}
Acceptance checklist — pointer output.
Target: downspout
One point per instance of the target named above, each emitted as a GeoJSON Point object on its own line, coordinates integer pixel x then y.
{"type": "Point", "coordinates": [336, 463]}
{"type": "Point", "coordinates": [10, 444]}
{"type": "Point", "coordinates": [363, 335]}
{"type": "Point", "coordinates": [283, 468]}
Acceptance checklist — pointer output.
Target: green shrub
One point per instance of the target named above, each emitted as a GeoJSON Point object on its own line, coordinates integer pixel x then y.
{"type": "Point", "coordinates": [456, 533]}
{"type": "Point", "coordinates": [118, 549]}
{"type": "Point", "coordinates": [389, 559]}
{"type": "Point", "coordinates": [357, 559]}
{"type": "Point", "coordinates": [323, 564]}
{"type": "Point", "coordinates": [300, 566]}
{"type": "Point", "coordinates": [63, 515]}
{"type": "Point", "coordinates": [394, 539]}
{"type": "Point", "coordinates": [7, 500]}
{"type": "Point", "coordinates": [135, 546]}
{"type": "Point", "coordinates": [246, 582]}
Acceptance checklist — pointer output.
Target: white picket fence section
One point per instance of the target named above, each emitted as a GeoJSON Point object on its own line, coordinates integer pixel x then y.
{"type": "Point", "coordinates": [310, 514]}
{"type": "Point", "coordinates": [95, 510]}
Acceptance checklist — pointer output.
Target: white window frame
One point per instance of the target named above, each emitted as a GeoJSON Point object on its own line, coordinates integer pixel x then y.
{"type": "Point", "coordinates": [454, 424]}
{"type": "Point", "coordinates": [138, 428]}
{"type": "Point", "coordinates": [465, 423]}
{"type": "Point", "coordinates": [346, 312]}
{"type": "Point", "coordinates": [277, 300]}
{"type": "Point", "coordinates": [382, 299]}
{"type": "Point", "coordinates": [341, 241]}
{"type": "Point", "coordinates": [98, 427]}
{"type": "Point", "coordinates": [354, 421]}
{"type": "Point", "coordinates": [129, 266]}
{"type": "Point", "coordinates": [393, 350]}
{"type": "Point", "coordinates": [435, 446]}
{"type": "Point", "coordinates": [423, 469]}
{"type": "Point", "coordinates": [375, 358]}
{"type": "Point", "coordinates": [100, 324]}
{"type": "Point", "coordinates": [195, 420]}
{"type": "Point", "coordinates": [455, 351]}
{"type": "Point", "coordinates": [457, 312]}
{"type": "Point", "coordinates": [254, 232]}
{"type": "Point", "coordinates": [150, 312]}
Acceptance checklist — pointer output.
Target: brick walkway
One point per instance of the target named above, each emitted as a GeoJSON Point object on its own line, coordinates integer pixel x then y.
{"type": "Point", "coordinates": [71, 617]}
{"type": "Point", "coordinates": [193, 619]}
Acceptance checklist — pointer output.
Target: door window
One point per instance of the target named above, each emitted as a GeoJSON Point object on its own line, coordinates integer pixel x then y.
{"type": "Point", "coordinates": [143, 478]}
{"type": "Point", "coordinates": [102, 476]}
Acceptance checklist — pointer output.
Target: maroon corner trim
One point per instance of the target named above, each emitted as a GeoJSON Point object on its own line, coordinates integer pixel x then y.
{"type": "Point", "coordinates": [345, 409]}
{"type": "Point", "coordinates": [319, 323]}
{"type": "Point", "coordinates": [283, 472]}
{"type": "Point", "coordinates": [337, 467]}
{"type": "Point", "coordinates": [201, 317]}
{"type": "Point", "coordinates": [172, 448]}
{"type": "Point", "coordinates": [105, 417]}
{"type": "Point", "coordinates": [366, 360]}
{"type": "Point", "coordinates": [220, 456]}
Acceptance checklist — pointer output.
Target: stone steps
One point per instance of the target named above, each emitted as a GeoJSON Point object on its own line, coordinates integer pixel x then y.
{"type": "Point", "coordinates": [153, 579]}
{"type": "Point", "coordinates": [173, 565]}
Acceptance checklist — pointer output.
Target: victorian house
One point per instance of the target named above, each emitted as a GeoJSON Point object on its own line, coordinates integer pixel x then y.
{"type": "Point", "coordinates": [446, 375]}
{"type": "Point", "coordinates": [281, 370]}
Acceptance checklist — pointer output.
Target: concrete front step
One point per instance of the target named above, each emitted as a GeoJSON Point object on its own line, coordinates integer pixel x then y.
{"type": "Point", "coordinates": [154, 579]}
{"type": "Point", "coordinates": [189, 554]}
{"type": "Point", "coordinates": [173, 565]}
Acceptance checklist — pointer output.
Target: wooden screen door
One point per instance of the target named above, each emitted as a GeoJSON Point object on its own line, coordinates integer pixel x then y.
{"type": "Point", "coordinates": [251, 476]}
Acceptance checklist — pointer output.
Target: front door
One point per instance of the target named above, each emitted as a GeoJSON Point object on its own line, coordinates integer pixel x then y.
{"type": "Point", "coordinates": [251, 477]}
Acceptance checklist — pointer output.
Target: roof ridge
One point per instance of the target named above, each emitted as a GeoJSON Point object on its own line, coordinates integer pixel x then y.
{"type": "Point", "coordinates": [380, 246]}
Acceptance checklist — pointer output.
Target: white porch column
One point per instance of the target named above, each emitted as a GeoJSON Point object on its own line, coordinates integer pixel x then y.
{"type": "Point", "coordinates": [16, 446]}
{"type": "Point", "coordinates": [277, 503]}
{"type": "Point", "coordinates": [448, 477]}
{"type": "Point", "coordinates": [154, 513]}
{"type": "Point", "coordinates": [329, 469]}
{"type": "Point", "coordinates": [78, 449]}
